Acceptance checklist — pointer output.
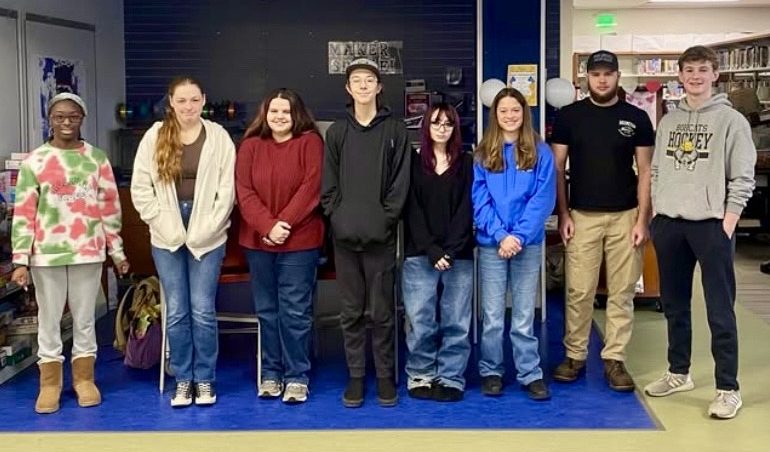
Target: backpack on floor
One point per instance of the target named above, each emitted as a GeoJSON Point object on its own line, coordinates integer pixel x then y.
{"type": "Point", "coordinates": [138, 324]}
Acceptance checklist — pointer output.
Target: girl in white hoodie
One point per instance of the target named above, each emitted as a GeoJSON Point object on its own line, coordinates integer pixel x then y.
{"type": "Point", "coordinates": [183, 188]}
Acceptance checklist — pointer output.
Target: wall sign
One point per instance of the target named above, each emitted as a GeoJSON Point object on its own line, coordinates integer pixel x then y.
{"type": "Point", "coordinates": [523, 77]}
{"type": "Point", "coordinates": [385, 53]}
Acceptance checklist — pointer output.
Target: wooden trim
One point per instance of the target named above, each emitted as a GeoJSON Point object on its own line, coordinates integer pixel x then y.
{"type": "Point", "coordinates": [4, 12]}
{"type": "Point", "coordinates": [641, 54]}
{"type": "Point", "coordinates": [59, 22]}
{"type": "Point", "coordinates": [743, 40]}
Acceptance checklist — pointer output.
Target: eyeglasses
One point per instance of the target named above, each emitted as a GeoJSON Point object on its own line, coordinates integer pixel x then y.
{"type": "Point", "coordinates": [439, 125]}
{"type": "Point", "coordinates": [59, 119]}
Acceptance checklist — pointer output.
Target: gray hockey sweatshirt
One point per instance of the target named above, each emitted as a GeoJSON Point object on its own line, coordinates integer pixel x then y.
{"type": "Point", "coordinates": [703, 165]}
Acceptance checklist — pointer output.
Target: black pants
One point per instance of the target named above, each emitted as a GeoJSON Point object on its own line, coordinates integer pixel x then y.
{"type": "Point", "coordinates": [366, 280]}
{"type": "Point", "coordinates": [679, 244]}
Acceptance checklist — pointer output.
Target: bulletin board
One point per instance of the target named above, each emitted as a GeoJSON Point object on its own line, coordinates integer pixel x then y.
{"type": "Point", "coordinates": [10, 122]}
{"type": "Point", "coordinates": [60, 57]}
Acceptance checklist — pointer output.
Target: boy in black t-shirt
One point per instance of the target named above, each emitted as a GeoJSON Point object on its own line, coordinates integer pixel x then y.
{"type": "Point", "coordinates": [605, 215]}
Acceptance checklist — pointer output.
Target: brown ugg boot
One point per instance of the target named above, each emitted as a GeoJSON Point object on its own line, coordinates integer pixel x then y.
{"type": "Point", "coordinates": [83, 381]}
{"type": "Point", "coordinates": [50, 387]}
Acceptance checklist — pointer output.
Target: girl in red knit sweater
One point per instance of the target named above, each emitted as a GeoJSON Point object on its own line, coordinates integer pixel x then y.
{"type": "Point", "coordinates": [278, 185]}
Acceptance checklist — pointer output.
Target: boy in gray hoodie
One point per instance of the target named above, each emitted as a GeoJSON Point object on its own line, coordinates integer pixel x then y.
{"type": "Point", "coordinates": [702, 178]}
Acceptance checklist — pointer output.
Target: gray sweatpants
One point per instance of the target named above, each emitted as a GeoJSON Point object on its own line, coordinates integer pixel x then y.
{"type": "Point", "coordinates": [78, 286]}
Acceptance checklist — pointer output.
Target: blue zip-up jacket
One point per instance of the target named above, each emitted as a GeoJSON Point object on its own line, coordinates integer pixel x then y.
{"type": "Point", "coordinates": [514, 202]}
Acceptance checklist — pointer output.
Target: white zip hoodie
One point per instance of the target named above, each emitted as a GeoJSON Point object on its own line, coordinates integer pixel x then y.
{"type": "Point", "coordinates": [157, 201]}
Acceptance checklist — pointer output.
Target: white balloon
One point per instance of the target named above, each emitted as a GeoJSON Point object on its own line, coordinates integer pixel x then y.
{"type": "Point", "coordinates": [559, 92]}
{"type": "Point", "coordinates": [489, 89]}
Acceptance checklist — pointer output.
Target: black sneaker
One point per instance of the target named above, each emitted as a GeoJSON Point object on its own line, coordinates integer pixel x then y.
{"type": "Point", "coordinates": [444, 393]}
{"type": "Point", "coordinates": [538, 390]}
{"type": "Point", "coordinates": [354, 393]}
{"type": "Point", "coordinates": [386, 392]}
{"type": "Point", "coordinates": [421, 392]}
{"type": "Point", "coordinates": [492, 385]}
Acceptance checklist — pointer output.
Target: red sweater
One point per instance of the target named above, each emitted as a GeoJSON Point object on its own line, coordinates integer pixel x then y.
{"type": "Point", "coordinates": [280, 181]}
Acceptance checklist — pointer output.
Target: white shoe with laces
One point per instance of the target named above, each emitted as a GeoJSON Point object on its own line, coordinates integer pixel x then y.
{"type": "Point", "coordinates": [726, 404]}
{"type": "Point", "coordinates": [270, 389]}
{"type": "Point", "coordinates": [183, 395]}
{"type": "Point", "coordinates": [295, 393]}
{"type": "Point", "coordinates": [205, 393]}
{"type": "Point", "coordinates": [668, 384]}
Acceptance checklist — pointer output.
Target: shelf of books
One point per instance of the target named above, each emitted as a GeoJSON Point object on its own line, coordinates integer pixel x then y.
{"type": "Point", "coordinates": [745, 63]}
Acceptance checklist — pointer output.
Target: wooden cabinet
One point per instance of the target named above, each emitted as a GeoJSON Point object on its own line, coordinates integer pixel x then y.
{"type": "Point", "coordinates": [136, 242]}
{"type": "Point", "coordinates": [136, 236]}
{"type": "Point", "coordinates": [650, 276]}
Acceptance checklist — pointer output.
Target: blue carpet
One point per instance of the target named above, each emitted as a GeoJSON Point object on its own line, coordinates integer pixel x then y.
{"type": "Point", "coordinates": [132, 402]}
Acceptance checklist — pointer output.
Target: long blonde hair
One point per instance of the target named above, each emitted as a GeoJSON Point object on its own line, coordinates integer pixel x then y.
{"type": "Point", "coordinates": [490, 150]}
{"type": "Point", "coordinates": [168, 148]}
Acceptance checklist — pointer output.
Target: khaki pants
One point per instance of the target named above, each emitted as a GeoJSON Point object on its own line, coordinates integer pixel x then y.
{"type": "Point", "coordinates": [597, 235]}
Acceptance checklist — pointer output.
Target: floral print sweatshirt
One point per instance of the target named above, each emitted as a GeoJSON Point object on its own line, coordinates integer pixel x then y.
{"type": "Point", "coordinates": [67, 209]}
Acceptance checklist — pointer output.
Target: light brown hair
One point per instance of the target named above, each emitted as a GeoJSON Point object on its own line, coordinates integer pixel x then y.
{"type": "Point", "coordinates": [168, 148]}
{"type": "Point", "coordinates": [490, 150]}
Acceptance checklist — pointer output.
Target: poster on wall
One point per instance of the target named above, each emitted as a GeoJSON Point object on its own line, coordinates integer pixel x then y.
{"type": "Point", "coordinates": [523, 77]}
{"type": "Point", "coordinates": [58, 75]}
{"type": "Point", "coordinates": [415, 106]}
{"type": "Point", "coordinates": [387, 54]}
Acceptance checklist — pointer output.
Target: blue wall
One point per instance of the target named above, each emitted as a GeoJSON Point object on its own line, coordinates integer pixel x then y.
{"type": "Point", "coordinates": [511, 36]}
{"type": "Point", "coordinates": [240, 49]}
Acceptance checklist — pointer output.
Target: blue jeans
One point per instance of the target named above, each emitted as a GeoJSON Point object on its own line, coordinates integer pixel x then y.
{"type": "Point", "coordinates": [431, 357]}
{"type": "Point", "coordinates": [282, 286]}
{"type": "Point", "coordinates": [520, 275]}
{"type": "Point", "coordinates": [190, 288]}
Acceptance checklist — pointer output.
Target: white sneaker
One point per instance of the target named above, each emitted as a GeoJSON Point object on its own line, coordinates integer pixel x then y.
{"type": "Point", "coordinates": [270, 389]}
{"type": "Point", "coordinates": [295, 393]}
{"type": "Point", "coordinates": [205, 393]}
{"type": "Point", "coordinates": [668, 384]}
{"type": "Point", "coordinates": [183, 396]}
{"type": "Point", "coordinates": [726, 404]}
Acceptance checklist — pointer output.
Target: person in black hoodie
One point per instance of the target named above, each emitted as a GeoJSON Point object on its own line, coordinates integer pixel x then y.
{"type": "Point", "coordinates": [365, 184]}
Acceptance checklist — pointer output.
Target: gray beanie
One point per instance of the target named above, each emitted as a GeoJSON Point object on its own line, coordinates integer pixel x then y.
{"type": "Point", "coordinates": [68, 96]}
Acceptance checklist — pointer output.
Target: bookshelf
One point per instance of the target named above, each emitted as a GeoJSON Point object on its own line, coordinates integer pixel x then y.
{"type": "Point", "coordinates": [745, 63]}
{"type": "Point", "coordinates": [638, 66]}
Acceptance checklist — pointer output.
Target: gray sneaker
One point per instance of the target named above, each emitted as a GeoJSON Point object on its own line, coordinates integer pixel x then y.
{"type": "Point", "coordinates": [668, 384]}
{"type": "Point", "coordinates": [295, 393]}
{"type": "Point", "coordinates": [726, 404]}
{"type": "Point", "coordinates": [270, 389]}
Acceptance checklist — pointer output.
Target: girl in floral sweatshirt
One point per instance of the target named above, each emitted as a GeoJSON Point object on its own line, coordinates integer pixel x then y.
{"type": "Point", "coordinates": [66, 219]}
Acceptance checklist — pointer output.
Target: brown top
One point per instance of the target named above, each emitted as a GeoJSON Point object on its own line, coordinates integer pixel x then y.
{"type": "Point", "coordinates": [191, 155]}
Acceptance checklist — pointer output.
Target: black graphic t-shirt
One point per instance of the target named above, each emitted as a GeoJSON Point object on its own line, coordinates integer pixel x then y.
{"type": "Point", "coordinates": [602, 142]}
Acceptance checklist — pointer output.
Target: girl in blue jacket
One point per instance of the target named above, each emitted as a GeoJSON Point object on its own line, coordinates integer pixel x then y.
{"type": "Point", "coordinates": [514, 191]}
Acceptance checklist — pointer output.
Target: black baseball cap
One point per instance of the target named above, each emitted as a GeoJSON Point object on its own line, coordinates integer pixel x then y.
{"type": "Point", "coordinates": [602, 58]}
{"type": "Point", "coordinates": [363, 63]}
